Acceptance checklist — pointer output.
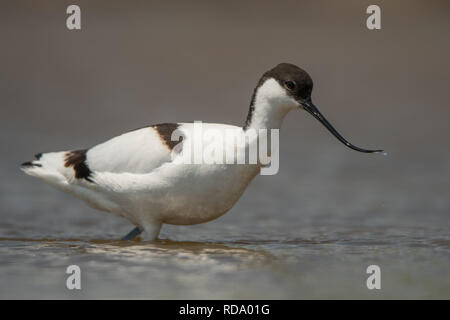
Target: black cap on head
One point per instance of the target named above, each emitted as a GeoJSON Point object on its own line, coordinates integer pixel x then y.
{"type": "Point", "coordinates": [297, 81]}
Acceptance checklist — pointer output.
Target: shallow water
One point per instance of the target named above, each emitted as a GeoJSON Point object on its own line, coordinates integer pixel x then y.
{"type": "Point", "coordinates": [325, 266]}
{"type": "Point", "coordinates": [234, 257]}
{"type": "Point", "coordinates": [310, 231]}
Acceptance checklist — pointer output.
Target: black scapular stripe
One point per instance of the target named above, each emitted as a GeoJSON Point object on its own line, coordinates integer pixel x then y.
{"type": "Point", "coordinates": [165, 131]}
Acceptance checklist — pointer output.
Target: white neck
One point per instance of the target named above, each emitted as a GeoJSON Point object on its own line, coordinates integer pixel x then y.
{"type": "Point", "coordinates": [270, 106]}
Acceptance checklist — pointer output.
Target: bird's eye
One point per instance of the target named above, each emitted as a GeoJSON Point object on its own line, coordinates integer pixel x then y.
{"type": "Point", "coordinates": [290, 85]}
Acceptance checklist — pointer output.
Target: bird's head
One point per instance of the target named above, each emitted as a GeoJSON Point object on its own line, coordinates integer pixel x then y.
{"type": "Point", "coordinates": [287, 87]}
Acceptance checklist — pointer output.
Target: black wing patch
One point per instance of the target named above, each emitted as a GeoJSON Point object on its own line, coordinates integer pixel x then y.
{"type": "Point", "coordinates": [77, 159]}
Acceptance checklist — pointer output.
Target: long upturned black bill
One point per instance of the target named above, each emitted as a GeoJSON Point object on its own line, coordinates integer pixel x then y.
{"type": "Point", "coordinates": [312, 109]}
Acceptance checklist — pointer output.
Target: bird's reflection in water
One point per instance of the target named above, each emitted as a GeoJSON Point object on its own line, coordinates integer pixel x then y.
{"type": "Point", "coordinates": [184, 251]}
{"type": "Point", "coordinates": [160, 251]}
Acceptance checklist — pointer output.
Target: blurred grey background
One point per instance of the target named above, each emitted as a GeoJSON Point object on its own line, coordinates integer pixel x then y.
{"type": "Point", "coordinates": [135, 63]}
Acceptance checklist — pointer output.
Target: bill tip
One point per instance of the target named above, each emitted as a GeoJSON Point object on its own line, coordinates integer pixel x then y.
{"type": "Point", "coordinates": [382, 152]}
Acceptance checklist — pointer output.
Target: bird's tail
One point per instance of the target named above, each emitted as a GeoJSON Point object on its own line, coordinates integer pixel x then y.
{"type": "Point", "coordinates": [48, 167]}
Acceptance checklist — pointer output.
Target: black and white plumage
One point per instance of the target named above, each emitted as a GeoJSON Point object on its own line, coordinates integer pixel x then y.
{"type": "Point", "coordinates": [135, 175]}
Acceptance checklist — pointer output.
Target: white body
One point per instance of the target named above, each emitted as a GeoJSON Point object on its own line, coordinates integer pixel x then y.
{"type": "Point", "coordinates": [134, 176]}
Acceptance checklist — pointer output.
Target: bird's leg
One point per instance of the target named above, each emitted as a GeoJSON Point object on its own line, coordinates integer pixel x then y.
{"type": "Point", "coordinates": [151, 230]}
{"type": "Point", "coordinates": [133, 234]}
